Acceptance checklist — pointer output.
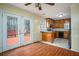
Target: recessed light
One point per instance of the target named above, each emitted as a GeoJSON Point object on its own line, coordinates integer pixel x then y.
{"type": "Point", "coordinates": [60, 15]}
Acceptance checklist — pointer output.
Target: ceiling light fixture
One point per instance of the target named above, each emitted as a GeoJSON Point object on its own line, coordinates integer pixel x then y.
{"type": "Point", "coordinates": [60, 15]}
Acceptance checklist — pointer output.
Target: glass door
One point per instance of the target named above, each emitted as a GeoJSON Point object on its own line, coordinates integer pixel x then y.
{"type": "Point", "coordinates": [26, 30]}
{"type": "Point", "coordinates": [16, 31]}
{"type": "Point", "coordinates": [10, 31]}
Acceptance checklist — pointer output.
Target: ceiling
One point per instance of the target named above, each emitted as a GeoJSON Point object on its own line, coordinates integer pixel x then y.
{"type": "Point", "coordinates": [47, 10]}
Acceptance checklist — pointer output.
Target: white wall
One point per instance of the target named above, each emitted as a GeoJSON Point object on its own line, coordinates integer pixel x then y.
{"type": "Point", "coordinates": [36, 26]}
{"type": "Point", "coordinates": [75, 28]}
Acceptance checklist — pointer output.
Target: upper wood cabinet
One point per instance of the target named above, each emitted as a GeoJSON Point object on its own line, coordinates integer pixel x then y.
{"type": "Point", "coordinates": [49, 23]}
{"type": "Point", "coordinates": [67, 20]}
{"type": "Point", "coordinates": [59, 24]}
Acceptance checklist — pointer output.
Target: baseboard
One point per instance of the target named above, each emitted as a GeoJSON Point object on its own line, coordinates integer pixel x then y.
{"type": "Point", "coordinates": [75, 50]}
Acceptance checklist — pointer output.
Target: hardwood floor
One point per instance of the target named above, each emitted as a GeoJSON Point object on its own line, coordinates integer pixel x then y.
{"type": "Point", "coordinates": [40, 49]}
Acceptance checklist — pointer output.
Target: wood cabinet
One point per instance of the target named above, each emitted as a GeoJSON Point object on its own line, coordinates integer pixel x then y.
{"type": "Point", "coordinates": [59, 24]}
{"type": "Point", "coordinates": [66, 34]}
{"type": "Point", "coordinates": [55, 34]}
{"type": "Point", "coordinates": [50, 36]}
{"type": "Point", "coordinates": [66, 20]}
{"type": "Point", "coordinates": [50, 23]}
{"type": "Point", "coordinates": [47, 36]}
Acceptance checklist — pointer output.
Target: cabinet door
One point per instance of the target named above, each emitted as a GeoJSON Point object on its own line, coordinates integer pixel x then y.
{"type": "Point", "coordinates": [44, 36]}
{"type": "Point", "coordinates": [61, 23]}
{"type": "Point", "coordinates": [47, 36]}
{"type": "Point", "coordinates": [66, 34]}
{"type": "Point", "coordinates": [10, 31]}
{"type": "Point", "coordinates": [0, 31]}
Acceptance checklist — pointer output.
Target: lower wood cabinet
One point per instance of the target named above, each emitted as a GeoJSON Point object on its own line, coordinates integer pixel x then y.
{"type": "Point", "coordinates": [56, 34]}
{"type": "Point", "coordinates": [66, 34]}
{"type": "Point", "coordinates": [47, 36]}
{"type": "Point", "coordinates": [50, 36]}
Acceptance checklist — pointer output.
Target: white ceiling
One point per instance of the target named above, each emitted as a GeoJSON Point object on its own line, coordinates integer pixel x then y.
{"type": "Point", "coordinates": [47, 10]}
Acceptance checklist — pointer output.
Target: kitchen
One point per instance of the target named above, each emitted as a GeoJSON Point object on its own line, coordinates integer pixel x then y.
{"type": "Point", "coordinates": [56, 32]}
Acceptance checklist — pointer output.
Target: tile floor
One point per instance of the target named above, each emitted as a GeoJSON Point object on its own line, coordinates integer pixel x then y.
{"type": "Point", "coordinates": [63, 43]}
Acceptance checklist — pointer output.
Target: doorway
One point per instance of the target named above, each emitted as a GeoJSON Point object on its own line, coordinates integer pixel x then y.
{"type": "Point", "coordinates": [16, 31]}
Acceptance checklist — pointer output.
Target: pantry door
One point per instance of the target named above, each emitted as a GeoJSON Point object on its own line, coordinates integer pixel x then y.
{"type": "Point", "coordinates": [10, 31]}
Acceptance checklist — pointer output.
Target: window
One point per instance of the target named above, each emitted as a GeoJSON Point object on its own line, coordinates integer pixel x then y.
{"type": "Point", "coordinates": [11, 26]}
{"type": "Point", "coordinates": [27, 26]}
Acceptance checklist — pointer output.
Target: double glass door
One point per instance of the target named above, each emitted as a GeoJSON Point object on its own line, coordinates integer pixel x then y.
{"type": "Point", "coordinates": [16, 31]}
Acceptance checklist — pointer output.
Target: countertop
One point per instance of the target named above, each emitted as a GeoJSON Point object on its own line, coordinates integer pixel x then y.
{"type": "Point", "coordinates": [60, 29]}
{"type": "Point", "coordinates": [57, 29]}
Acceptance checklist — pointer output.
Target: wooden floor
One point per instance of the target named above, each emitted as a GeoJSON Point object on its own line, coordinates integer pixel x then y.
{"type": "Point", "coordinates": [40, 49]}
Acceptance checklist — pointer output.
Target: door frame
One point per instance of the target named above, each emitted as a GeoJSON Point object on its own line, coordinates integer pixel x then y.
{"type": "Point", "coordinates": [1, 26]}
{"type": "Point", "coordinates": [69, 42]}
{"type": "Point", "coordinates": [4, 29]}
{"type": "Point", "coordinates": [5, 47]}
